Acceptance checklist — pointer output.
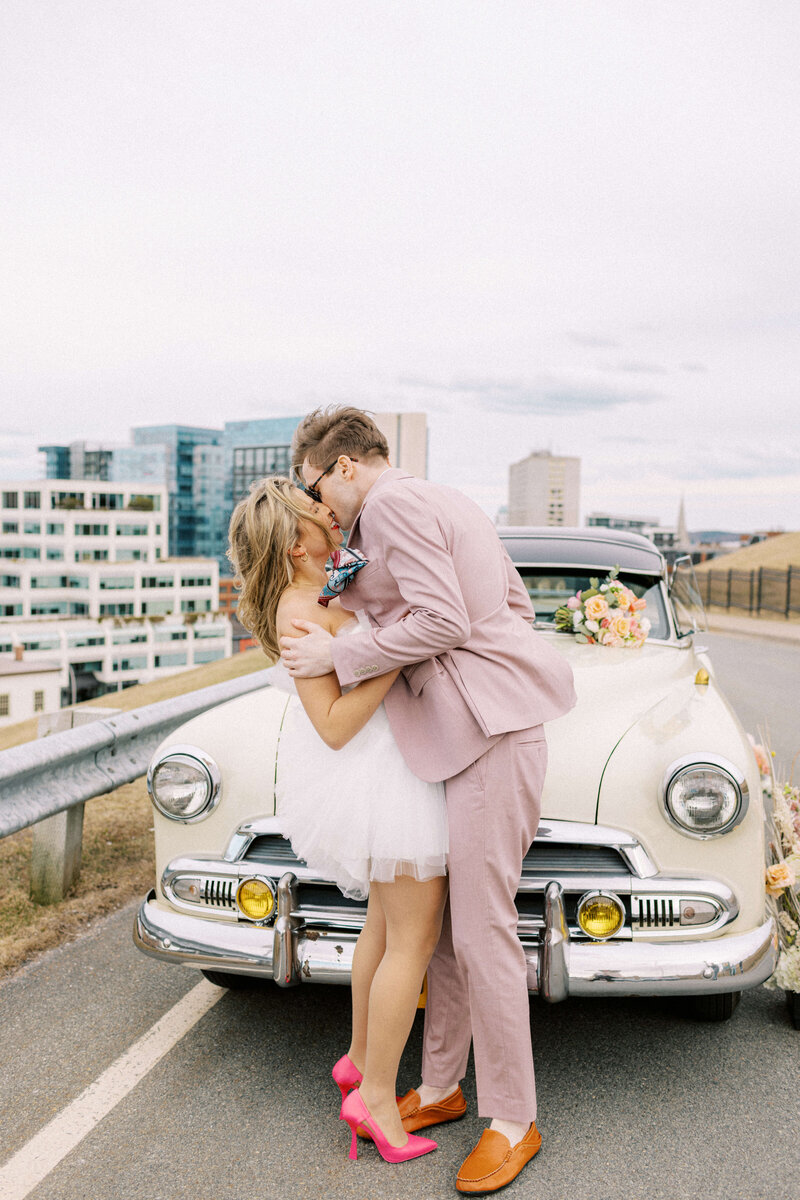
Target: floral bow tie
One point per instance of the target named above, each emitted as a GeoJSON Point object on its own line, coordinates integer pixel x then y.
{"type": "Point", "coordinates": [345, 565]}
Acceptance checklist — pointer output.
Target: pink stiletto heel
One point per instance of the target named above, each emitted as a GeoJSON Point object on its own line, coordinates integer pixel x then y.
{"type": "Point", "coordinates": [346, 1075]}
{"type": "Point", "coordinates": [355, 1113]}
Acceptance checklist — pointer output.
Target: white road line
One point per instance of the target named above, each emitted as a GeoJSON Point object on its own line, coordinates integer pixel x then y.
{"type": "Point", "coordinates": [26, 1169]}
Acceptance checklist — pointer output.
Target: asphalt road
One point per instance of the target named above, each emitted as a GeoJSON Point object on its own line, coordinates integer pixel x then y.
{"type": "Point", "coordinates": [636, 1099]}
{"type": "Point", "coordinates": [761, 678]}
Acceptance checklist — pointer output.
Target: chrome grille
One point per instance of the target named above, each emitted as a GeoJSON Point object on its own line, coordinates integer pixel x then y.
{"type": "Point", "coordinates": [655, 912]}
{"type": "Point", "coordinates": [556, 857]}
{"type": "Point", "coordinates": [218, 893]}
{"type": "Point", "coordinates": [272, 849]}
{"type": "Point", "coordinates": [543, 857]}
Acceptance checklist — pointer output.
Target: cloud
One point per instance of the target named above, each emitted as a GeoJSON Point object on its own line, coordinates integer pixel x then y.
{"type": "Point", "coordinates": [548, 395]}
{"type": "Point", "coordinates": [636, 368]}
{"type": "Point", "coordinates": [682, 461]}
{"type": "Point", "coordinates": [596, 341]}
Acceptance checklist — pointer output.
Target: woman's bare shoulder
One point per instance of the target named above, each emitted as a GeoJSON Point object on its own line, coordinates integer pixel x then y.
{"type": "Point", "coordinates": [300, 604]}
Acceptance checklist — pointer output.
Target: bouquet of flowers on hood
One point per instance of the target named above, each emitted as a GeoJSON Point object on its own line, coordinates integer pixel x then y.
{"type": "Point", "coordinates": [606, 613]}
{"type": "Point", "coordinates": [782, 821]}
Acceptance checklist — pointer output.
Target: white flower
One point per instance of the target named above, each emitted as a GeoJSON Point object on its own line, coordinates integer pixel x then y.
{"type": "Point", "coordinates": [603, 587]}
{"type": "Point", "coordinates": [645, 624]}
{"type": "Point", "coordinates": [787, 972]}
{"type": "Point", "coordinates": [577, 617]}
{"type": "Point", "coordinates": [593, 626]}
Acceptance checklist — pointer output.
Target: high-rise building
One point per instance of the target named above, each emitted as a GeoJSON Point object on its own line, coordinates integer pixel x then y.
{"type": "Point", "coordinates": [180, 442]}
{"type": "Point", "coordinates": [207, 471]}
{"type": "Point", "coordinates": [544, 489]}
{"type": "Point", "coordinates": [79, 460]}
{"type": "Point", "coordinates": [407, 435]}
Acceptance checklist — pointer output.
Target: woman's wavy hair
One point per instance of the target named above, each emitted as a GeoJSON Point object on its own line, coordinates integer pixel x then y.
{"type": "Point", "coordinates": [264, 527]}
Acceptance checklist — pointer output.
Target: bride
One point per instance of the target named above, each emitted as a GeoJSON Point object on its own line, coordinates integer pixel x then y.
{"type": "Point", "coordinates": [350, 805]}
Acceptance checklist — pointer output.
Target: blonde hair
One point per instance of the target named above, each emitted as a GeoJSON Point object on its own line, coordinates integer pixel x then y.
{"type": "Point", "coordinates": [264, 527]}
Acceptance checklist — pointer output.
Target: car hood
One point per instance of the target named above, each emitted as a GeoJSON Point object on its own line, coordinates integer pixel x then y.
{"type": "Point", "coordinates": [615, 689]}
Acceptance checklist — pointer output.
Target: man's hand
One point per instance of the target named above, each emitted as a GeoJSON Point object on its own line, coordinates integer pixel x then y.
{"type": "Point", "coordinates": [307, 657]}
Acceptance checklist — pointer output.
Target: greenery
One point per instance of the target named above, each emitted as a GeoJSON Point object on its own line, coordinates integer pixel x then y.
{"type": "Point", "coordinates": [140, 503]}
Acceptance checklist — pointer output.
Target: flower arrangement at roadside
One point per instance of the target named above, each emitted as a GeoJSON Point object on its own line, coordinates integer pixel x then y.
{"type": "Point", "coordinates": [783, 869]}
{"type": "Point", "coordinates": [606, 613]}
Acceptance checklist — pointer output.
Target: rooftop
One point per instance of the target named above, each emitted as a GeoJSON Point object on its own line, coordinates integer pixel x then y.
{"type": "Point", "coordinates": [9, 666]}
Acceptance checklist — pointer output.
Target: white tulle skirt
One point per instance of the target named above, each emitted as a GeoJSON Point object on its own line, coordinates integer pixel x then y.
{"type": "Point", "coordinates": [357, 814]}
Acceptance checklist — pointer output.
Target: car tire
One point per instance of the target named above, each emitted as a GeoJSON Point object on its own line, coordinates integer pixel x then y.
{"type": "Point", "coordinates": [793, 1000]}
{"type": "Point", "coordinates": [719, 1007]}
{"type": "Point", "coordinates": [236, 983]}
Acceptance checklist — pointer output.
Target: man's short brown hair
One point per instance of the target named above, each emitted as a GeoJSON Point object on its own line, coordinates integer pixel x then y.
{"type": "Point", "coordinates": [339, 429]}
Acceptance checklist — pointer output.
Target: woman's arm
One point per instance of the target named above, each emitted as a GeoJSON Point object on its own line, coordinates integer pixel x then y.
{"type": "Point", "coordinates": [335, 717]}
{"type": "Point", "coordinates": [338, 718]}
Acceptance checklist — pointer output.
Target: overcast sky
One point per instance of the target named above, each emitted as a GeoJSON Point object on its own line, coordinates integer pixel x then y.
{"type": "Point", "coordinates": [548, 225]}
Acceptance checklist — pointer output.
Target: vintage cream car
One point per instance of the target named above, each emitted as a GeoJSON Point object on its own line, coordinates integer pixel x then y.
{"type": "Point", "coordinates": [647, 873]}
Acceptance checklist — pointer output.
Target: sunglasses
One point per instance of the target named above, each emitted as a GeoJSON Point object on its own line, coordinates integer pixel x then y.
{"type": "Point", "coordinates": [311, 488]}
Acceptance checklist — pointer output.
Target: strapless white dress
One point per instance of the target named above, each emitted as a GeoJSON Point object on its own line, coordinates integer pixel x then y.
{"type": "Point", "coordinates": [359, 813]}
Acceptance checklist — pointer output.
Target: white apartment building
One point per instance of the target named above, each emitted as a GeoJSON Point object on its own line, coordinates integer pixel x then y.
{"type": "Point", "coordinates": [180, 585]}
{"type": "Point", "coordinates": [28, 687]}
{"type": "Point", "coordinates": [666, 537]}
{"type": "Point", "coordinates": [85, 582]}
{"type": "Point", "coordinates": [88, 548]}
{"type": "Point", "coordinates": [115, 652]}
{"type": "Point", "coordinates": [83, 521]}
{"type": "Point", "coordinates": [544, 489]}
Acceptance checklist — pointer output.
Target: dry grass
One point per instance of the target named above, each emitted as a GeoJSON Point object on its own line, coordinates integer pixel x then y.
{"type": "Point", "coordinates": [118, 850]}
{"type": "Point", "coordinates": [117, 866]}
{"type": "Point", "coordinates": [777, 552]}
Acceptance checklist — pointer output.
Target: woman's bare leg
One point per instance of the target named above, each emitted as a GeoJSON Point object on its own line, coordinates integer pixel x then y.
{"type": "Point", "coordinates": [367, 955]}
{"type": "Point", "coordinates": [413, 913]}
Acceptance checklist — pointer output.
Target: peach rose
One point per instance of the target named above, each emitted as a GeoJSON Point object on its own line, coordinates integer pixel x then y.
{"type": "Point", "coordinates": [595, 607]}
{"type": "Point", "coordinates": [621, 625]}
{"type": "Point", "coordinates": [779, 876]}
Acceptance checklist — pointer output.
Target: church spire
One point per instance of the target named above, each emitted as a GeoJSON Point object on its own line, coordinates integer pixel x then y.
{"type": "Point", "coordinates": [683, 533]}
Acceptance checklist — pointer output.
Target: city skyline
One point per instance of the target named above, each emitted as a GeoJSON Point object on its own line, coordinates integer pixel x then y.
{"type": "Point", "coordinates": [565, 228]}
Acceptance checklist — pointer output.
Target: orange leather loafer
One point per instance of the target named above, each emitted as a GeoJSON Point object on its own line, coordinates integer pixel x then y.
{"type": "Point", "coordinates": [495, 1162]}
{"type": "Point", "coordinates": [419, 1116]}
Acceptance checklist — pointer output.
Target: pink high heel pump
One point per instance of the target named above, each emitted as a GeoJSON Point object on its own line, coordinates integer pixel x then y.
{"type": "Point", "coordinates": [355, 1113]}
{"type": "Point", "coordinates": [346, 1075]}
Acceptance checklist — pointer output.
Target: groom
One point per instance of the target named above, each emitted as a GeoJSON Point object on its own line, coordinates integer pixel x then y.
{"type": "Point", "coordinates": [446, 604]}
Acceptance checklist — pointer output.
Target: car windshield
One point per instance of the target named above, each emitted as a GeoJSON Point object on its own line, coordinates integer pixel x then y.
{"type": "Point", "coordinates": [549, 589]}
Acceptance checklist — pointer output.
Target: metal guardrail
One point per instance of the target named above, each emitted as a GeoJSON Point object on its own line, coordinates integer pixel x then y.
{"type": "Point", "coordinates": [47, 776]}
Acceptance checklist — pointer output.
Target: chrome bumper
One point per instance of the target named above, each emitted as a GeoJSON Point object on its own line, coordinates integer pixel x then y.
{"type": "Point", "coordinates": [290, 953]}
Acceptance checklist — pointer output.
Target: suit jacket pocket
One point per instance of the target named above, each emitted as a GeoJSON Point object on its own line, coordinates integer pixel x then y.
{"type": "Point", "coordinates": [418, 674]}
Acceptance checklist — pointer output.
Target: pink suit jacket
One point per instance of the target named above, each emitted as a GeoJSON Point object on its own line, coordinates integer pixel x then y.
{"type": "Point", "coordinates": [447, 604]}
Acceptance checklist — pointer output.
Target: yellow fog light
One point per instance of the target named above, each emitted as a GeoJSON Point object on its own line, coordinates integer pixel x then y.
{"type": "Point", "coordinates": [256, 899]}
{"type": "Point", "coordinates": [601, 914]}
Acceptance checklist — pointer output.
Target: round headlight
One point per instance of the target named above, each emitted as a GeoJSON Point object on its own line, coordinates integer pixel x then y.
{"type": "Point", "coordinates": [256, 899]}
{"type": "Point", "coordinates": [184, 784]}
{"type": "Point", "coordinates": [704, 798]}
{"type": "Point", "coordinates": [601, 914]}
